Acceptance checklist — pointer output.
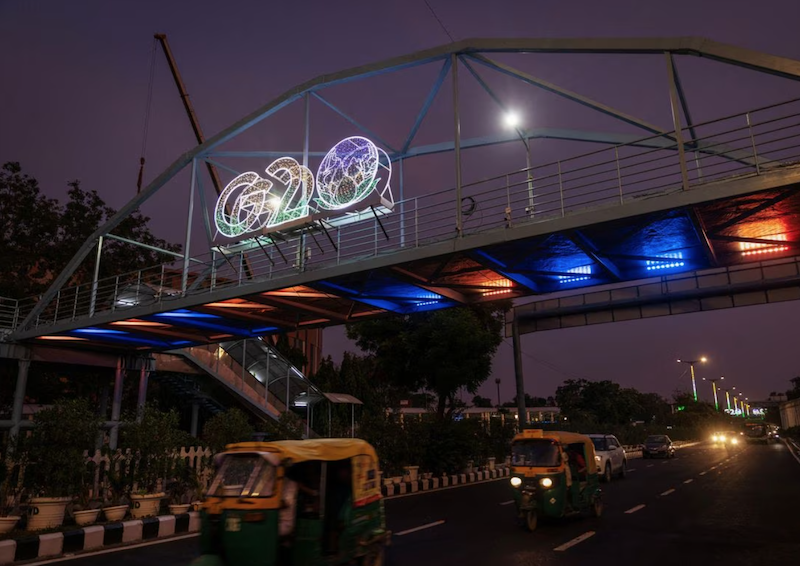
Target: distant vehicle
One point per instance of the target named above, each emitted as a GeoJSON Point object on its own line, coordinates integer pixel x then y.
{"type": "Point", "coordinates": [609, 455]}
{"type": "Point", "coordinates": [761, 432]}
{"type": "Point", "coordinates": [727, 437]}
{"type": "Point", "coordinates": [658, 446]}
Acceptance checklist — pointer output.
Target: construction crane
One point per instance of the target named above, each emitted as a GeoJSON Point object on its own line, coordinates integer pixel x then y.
{"type": "Point", "coordinates": [187, 105]}
{"type": "Point", "coordinates": [198, 132]}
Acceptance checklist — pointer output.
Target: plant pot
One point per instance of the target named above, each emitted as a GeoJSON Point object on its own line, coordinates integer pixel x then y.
{"type": "Point", "coordinates": [197, 505]}
{"type": "Point", "coordinates": [178, 508]}
{"type": "Point", "coordinates": [115, 512]}
{"type": "Point", "coordinates": [86, 517]}
{"type": "Point", "coordinates": [145, 505]}
{"type": "Point", "coordinates": [412, 472]}
{"type": "Point", "coordinates": [8, 523]}
{"type": "Point", "coordinates": [47, 512]}
{"type": "Point", "coordinates": [491, 463]}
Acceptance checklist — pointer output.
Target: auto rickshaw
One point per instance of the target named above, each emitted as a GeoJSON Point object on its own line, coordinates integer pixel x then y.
{"type": "Point", "coordinates": [554, 474]}
{"type": "Point", "coordinates": [294, 503]}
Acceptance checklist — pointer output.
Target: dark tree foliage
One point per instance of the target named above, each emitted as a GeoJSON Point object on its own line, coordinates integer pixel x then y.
{"type": "Point", "coordinates": [39, 235]}
{"type": "Point", "coordinates": [441, 352]}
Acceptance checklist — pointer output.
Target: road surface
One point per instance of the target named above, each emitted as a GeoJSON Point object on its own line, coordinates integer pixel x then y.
{"type": "Point", "coordinates": [705, 507]}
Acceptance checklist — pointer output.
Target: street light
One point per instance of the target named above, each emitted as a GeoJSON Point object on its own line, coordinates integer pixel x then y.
{"type": "Point", "coordinates": [735, 406]}
{"type": "Point", "coordinates": [714, 381]}
{"type": "Point", "coordinates": [691, 369]}
{"type": "Point", "coordinates": [728, 395]}
{"type": "Point", "coordinates": [513, 120]}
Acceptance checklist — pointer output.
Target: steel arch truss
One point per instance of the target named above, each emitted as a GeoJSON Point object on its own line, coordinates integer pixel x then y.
{"type": "Point", "coordinates": [430, 271]}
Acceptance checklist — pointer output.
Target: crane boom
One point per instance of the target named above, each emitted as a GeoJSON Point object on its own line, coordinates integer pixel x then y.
{"type": "Point", "coordinates": [187, 105]}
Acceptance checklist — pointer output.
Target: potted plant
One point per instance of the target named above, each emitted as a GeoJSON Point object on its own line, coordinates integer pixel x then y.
{"type": "Point", "coordinates": [151, 437]}
{"type": "Point", "coordinates": [86, 510]}
{"type": "Point", "coordinates": [118, 483]}
{"type": "Point", "coordinates": [179, 487]}
{"type": "Point", "coordinates": [55, 461]}
{"type": "Point", "coordinates": [9, 501]}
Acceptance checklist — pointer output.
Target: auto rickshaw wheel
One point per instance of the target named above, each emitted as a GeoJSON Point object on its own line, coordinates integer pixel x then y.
{"type": "Point", "coordinates": [607, 473]}
{"type": "Point", "coordinates": [597, 507]}
{"type": "Point", "coordinates": [375, 558]}
{"type": "Point", "coordinates": [531, 520]}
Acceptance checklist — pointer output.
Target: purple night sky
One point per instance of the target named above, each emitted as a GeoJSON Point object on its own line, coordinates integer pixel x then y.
{"type": "Point", "coordinates": [75, 78]}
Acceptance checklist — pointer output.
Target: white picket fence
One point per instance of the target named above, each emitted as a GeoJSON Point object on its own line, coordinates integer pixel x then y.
{"type": "Point", "coordinates": [196, 457]}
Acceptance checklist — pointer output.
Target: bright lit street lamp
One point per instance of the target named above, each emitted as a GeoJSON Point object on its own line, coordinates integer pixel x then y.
{"type": "Point", "coordinates": [513, 120]}
{"type": "Point", "coordinates": [691, 369]}
{"type": "Point", "coordinates": [728, 395]}
{"type": "Point", "coordinates": [714, 381]}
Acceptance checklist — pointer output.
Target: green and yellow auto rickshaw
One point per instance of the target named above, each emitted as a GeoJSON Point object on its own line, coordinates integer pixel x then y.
{"type": "Point", "coordinates": [294, 503]}
{"type": "Point", "coordinates": [554, 474]}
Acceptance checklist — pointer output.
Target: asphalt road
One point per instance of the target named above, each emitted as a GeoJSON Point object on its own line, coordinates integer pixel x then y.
{"type": "Point", "coordinates": [704, 507]}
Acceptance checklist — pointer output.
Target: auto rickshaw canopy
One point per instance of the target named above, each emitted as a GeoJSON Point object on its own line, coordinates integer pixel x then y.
{"type": "Point", "coordinates": [321, 449]}
{"type": "Point", "coordinates": [565, 439]}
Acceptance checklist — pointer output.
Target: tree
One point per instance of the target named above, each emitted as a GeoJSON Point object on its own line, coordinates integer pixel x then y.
{"type": "Point", "coordinates": [39, 235]}
{"type": "Point", "coordinates": [442, 351]}
{"type": "Point", "coordinates": [794, 392]}
{"type": "Point", "coordinates": [598, 401]}
{"type": "Point", "coordinates": [227, 428]}
{"type": "Point", "coordinates": [529, 402]}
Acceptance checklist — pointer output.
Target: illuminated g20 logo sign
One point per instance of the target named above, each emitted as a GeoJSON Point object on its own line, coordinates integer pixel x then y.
{"type": "Point", "coordinates": [350, 172]}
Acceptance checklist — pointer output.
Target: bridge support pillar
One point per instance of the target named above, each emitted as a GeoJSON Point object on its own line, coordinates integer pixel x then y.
{"type": "Point", "coordinates": [19, 395]}
{"type": "Point", "coordinates": [195, 415]}
{"type": "Point", "coordinates": [142, 398]}
{"type": "Point", "coordinates": [520, 380]}
{"type": "Point", "coordinates": [116, 405]}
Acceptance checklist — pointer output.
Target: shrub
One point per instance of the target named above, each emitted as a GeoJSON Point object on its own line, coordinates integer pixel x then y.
{"type": "Point", "coordinates": [54, 453]}
{"type": "Point", "coordinates": [226, 428]}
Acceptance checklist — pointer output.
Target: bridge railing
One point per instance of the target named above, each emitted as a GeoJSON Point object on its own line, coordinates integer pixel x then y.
{"type": "Point", "coordinates": [748, 143]}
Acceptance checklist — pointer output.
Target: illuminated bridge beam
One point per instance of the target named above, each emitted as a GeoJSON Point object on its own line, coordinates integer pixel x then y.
{"type": "Point", "coordinates": [708, 290]}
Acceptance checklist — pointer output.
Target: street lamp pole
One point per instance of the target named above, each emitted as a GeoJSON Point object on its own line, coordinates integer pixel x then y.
{"type": "Point", "coordinates": [497, 382]}
{"type": "Point", "coordinates": [512, 120]}
{"type": "Point", "coordinates": [691, 370]}
{"type": "Point", "coordinates": [714, 381]}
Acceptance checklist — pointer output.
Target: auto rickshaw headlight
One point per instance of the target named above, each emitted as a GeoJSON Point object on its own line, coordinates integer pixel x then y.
{"type": "Point", "coordinates": [546, 482]}
{"type": "Point", "coordinates": [722, 438]}
{"type": "Point", "coordinates": [714, 438]}
{"type": "Point", "coordinates": [516, 482]}
{"type": "Point", "coordinates": [734, 441]}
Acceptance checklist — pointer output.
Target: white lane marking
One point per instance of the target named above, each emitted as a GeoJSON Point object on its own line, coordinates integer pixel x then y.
{"type": "Point", "coordinates": [665, 462]}
{"type": "Point", "coordinates": [650, 465]}
{"type": "Point", "coordinates": [631, 470]}
{"type": "Point", "coordinates": [669, 491]}
{"type": "Point", "coordinates": [712, 468]}
{"type": "Point", "coordinates": [635, 509]}
{"type": "Point", "coordinates": [507, 502]}
{"type": "Point", "coordinates": [573, 542]}
{"type": "Point", "coordinates": [690, 480]}
{"type": "Point", "coordinates": [81, 555]}
{"type": "Point", "coordinates": [703, 473]}
{"type": "Point", "coordinates": [420, 528]}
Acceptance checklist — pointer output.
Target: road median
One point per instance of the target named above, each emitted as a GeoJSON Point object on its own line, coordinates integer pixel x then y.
{"type": "Point", "coordinates": [96, 537]}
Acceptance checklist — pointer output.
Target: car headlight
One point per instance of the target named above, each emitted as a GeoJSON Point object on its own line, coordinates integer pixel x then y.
{"type": "Point", "coordinates": [714, 438]}
{"type": "Point", "coordinates": [734, 441]}
{"type": "Point", "coordinates": [598, 459]}
{"type": "Point", "coordinates": [722, 439]}
{"type": "Point", "coordinates": [546, 482]}
{"type": "Point", "coordinates": [516, 482]}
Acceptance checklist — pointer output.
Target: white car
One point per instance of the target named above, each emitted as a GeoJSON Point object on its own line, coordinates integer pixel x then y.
{"type": "Point", "coordinates": [609, 455]}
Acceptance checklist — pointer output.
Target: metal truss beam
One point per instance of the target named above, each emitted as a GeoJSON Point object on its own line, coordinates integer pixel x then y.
{"type": "Point", "coordinates": [278, 301]}
{"type": "Point", "coordinates": [702, 234]}
{"type": "Point", "coordinates": [241, 314]}
{"type": "Point", "coordinates": [353, 121]}
{"type": "Point", "coordinates": [586, 246]}
{"type": "Point", "coordinates": [498, 267]}
{"type": "Point", "coordinates": [759, 241]}
{"type": "Point", "coordinates": [755, 210]}
{"type": "Point", "coordinates": [426, 106]}
{"type": "Point", "coordinates": [422, 283]}
{"type": "Point", "coordinates": [564, 93]}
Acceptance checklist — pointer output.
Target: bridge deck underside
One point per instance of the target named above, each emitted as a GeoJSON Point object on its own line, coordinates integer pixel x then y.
{"type": "Point", "coordinates": [717, 233]}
